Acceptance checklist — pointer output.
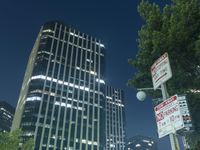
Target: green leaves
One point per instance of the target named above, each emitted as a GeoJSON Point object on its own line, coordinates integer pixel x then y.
{"type": "Point", "coordinates": [11, 141]}
{"type": "Point", "coordinates": [175, 29]}
{"type": "Point", "coordinates": [29, 145]}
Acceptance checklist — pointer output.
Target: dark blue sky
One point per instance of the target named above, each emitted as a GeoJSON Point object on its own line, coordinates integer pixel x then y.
{"type": "Point", "coordinates": [115, 22]}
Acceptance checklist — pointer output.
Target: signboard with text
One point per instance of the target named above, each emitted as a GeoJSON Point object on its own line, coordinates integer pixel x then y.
{"type": "Point", "coordinates": [168, 116]}
{"type": "Point", "coordinates": [161, 71]}
{"type": "Point", "coordinates": [187, 119]}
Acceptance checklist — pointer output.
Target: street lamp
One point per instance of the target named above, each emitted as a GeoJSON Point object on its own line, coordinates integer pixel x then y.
{"type": "Point", "coordinates": [141, 95]}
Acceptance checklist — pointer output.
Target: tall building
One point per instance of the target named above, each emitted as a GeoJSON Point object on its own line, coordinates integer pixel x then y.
{"type": "Point", "coordinates": [115, 119]}
{"type": "Point", "coordinates": [62, 103]}
{"type": "Point", "coordinates": [6, 116]}
{"type": "Point", "coordinates": [141, 143]}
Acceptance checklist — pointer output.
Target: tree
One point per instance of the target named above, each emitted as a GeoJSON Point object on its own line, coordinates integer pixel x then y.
{"type": "Point", "coordinates": [28, 145]}
{"type": "Point", "coordinates": [174, 28]}
{"type": "Point", "coordinates": [11, 141]}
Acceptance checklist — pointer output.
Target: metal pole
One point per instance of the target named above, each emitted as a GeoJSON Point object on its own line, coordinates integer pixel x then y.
{"type": "Point", "coordinates": [172, 136]}
{"type": "Point", "coordinates": [185, 143]}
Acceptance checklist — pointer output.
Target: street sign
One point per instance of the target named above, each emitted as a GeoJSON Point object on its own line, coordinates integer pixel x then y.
{"type": "Point", "coordinates": [168, 116]}
{"type": "Point", "coordinates": [187, 119]}
{"type": "Point", "coordinates": [161, 71]}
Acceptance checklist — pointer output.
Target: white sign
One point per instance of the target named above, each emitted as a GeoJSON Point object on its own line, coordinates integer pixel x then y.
{"type": "Point", "coordinates": [187, 119]}
{"type": "Point", "coordinates": [161, 71]}
{"type": "Point", "coordinates": [168, 116]}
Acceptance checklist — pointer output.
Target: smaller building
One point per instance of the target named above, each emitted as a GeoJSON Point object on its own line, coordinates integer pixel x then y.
{"type": "Point", "coordinates": [141, 143]}
{"type": "Point", "coordinates": [115, 119]}
{"type": "Point", "coordinates": [6, 116]}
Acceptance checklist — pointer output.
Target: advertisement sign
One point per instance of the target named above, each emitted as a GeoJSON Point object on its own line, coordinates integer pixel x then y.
{"type": "Point", "coordinates": [161, 71]}
{"type": "Point", "coordinates": [168, 116]}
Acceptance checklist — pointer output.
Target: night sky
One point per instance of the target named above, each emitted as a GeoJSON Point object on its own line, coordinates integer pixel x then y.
{"type": "Point", "coordinates": [115, 22]}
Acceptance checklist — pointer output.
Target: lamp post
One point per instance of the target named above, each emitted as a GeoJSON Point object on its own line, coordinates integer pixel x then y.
{"type": "Point", "coordinates": [141, 96]}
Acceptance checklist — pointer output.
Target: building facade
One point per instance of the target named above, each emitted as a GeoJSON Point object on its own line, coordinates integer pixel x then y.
{"type": "Point", "coordinates": [141, 143]}
{"type": "Point", "coordinates": [62, 102]}
{"type": "Point", "coordinates": [6, 116]}
{"type": "Point", "coordinates": [115, 119]}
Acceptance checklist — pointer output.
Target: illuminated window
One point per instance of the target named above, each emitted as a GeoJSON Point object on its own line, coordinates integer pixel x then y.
{"type": "Point", "coordinates": [137, 145]}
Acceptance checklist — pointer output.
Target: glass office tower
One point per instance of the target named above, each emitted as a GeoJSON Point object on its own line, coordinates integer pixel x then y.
{"type": "Point", "coordinates": [61, 103]}
{"type": "Point", "coordinates": [115, 119]}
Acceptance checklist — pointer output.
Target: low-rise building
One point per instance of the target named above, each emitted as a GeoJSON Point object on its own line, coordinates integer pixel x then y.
{"type": "Point", "coordinates": [141, 143]}
{"type": "Point", "coordinates": [6, 116]}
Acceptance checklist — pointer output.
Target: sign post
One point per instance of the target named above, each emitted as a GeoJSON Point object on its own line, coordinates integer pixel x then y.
{"type": "Point", "coordinates": [161, 72]}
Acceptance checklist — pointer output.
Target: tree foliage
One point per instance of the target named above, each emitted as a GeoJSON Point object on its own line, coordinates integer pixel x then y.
{"type": "Point", "coordinates": [174, 28]}
{"type": "Point", "coordinates": [11, 141]}
{"type": "Point", "coordinates": [28, 145]}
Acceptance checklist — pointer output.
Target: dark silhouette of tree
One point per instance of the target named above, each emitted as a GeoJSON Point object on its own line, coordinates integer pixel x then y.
{"type": "Point", "coordinates": [175, 29]}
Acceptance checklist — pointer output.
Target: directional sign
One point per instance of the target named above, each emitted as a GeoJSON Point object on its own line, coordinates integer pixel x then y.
{"type": "Point", "coordinates": [161, 71]}
{"type": "Point", "coordinates": [168, 116]}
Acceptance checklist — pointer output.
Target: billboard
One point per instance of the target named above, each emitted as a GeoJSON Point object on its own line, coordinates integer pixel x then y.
{"type": "Point", "coordinates": [168, 116]}
{"type": "Point", "coordinates": [161, 71]}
